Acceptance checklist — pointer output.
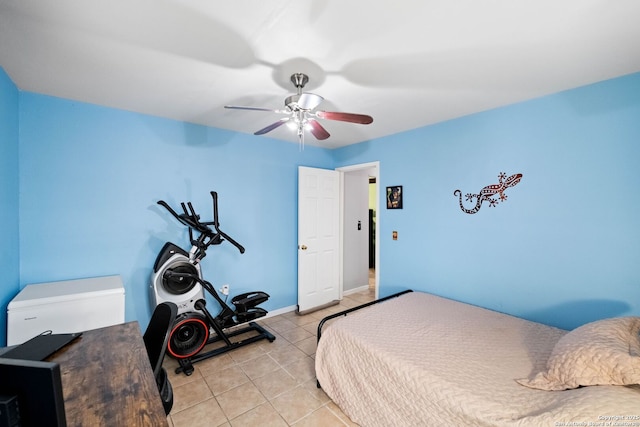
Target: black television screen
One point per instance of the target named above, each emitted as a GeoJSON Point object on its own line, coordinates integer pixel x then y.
{"type": "Point", "coordinates": [38, 386]}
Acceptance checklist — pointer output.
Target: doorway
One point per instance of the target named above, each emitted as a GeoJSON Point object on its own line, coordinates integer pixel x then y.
{"type": "Point", "coordinates": [359, 228]}
{"type": "Point", "coordinates": [373, 197]}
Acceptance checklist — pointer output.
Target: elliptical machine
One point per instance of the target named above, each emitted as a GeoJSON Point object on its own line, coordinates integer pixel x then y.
{"type": "Point", "coordinates": [177, 277]}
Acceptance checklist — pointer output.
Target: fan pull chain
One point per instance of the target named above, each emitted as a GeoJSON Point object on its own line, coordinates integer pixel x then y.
{"type": "Point", "coordinates": [300, 138]}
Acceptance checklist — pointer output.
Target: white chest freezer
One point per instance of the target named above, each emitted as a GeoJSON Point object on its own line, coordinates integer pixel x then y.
{"type": "Point", "coordinates": [64, 307]}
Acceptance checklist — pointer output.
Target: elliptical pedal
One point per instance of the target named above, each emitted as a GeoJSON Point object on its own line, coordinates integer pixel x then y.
{"type": "Point", "coordinates": [246, 301]}
{"type": "Point", "coordinates": [251, 314]}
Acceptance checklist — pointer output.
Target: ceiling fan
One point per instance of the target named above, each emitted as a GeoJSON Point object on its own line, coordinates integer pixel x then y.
{"type": "Point", "coordinates": [301, 114]}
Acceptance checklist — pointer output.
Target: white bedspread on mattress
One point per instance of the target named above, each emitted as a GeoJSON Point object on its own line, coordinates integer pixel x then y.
{"type": "Point", "coordinates": [422, 360]}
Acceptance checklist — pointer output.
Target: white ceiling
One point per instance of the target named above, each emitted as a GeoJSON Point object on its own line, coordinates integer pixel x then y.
{"type": "Point", "coordinates": [407, 63]}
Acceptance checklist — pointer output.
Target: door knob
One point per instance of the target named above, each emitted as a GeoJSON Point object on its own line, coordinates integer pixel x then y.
{"type": "Point", "coordinates": [303, 247]}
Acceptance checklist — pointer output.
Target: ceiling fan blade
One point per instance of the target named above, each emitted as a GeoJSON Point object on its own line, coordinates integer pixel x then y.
{"type": "Point", "coordinates": [235, 107]}
{"type": "Point", "coordinates": [309, 101]}
{"type": "Point", "coordinates": [272, 126]}
{"type": "Point", "coordinates": [362, 119]}
{"type": "Point", "coordinates": [317, 129]}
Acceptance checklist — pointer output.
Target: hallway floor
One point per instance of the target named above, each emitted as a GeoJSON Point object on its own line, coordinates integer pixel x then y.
{"type": "Point", "coordinates": [266, 384]}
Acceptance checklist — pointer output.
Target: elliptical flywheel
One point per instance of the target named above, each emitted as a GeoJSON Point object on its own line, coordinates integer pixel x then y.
{"type": "Point", "coordinates": [189, 335]}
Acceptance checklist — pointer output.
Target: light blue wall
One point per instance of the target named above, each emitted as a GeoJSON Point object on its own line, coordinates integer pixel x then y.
{"type": "Point", "coordinates": [90, 178]}
{"type": "Point", "coordinates": [563, 249]}
{"type": "Point", "coordinates": [9, 237]}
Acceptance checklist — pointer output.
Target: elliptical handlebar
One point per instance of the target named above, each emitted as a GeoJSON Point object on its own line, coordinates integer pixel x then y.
{"type": "Point", "coordinates": [185, 219]}
{"type": "Point", "coordinates": [192, 220]}
{"type": "Point", "coordinates": [216, 224]}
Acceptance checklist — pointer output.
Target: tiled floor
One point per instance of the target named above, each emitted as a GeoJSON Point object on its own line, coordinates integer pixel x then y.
{"type": "Point", "coordinates": [265, 384]}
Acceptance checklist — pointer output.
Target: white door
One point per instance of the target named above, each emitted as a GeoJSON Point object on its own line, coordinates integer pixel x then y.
{"type": "Point", "coordinates": [318, 237]}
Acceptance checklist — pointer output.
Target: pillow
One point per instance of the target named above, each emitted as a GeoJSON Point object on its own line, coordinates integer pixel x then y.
{"type": "Point", "coordinates": [604, 352]}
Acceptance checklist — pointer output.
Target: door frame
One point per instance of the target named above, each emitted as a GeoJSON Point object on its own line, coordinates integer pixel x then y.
{"type": "Point", "coordinates": [375, 167]}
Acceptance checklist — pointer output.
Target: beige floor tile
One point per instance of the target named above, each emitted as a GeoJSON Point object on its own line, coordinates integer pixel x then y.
{"type": "Point", "coordinates": [239, 400]}
{"type": "Point", "coordinates": [179, 379]}
{"type": "Point", "coordinates": [307, 345]}
{"type": "Point", "coordinates": [214, 364]}
{"type": "Point", "coordinates": [321, 314]}
{"type": "Point", "coordinates": [338, 412]}
{"type": "Point", "coordinates": [282, 325]}
{"type": "Point", "coordinates": [245, 353]}
{"type": "Point", "coordinates": [302, 370]}
{"type": "Point", "coordinates": [226, 379]}
{"type": "Point", "coordinates": [190, 394]}
{"type": "Point", "coordinates": [270, 346]}
{"type": "Point", "coordinates": [266, 321]}
{"type": "Point", "coordinates": [347, 303]}
{"type": "Point", "coordinates": [288, 354]}
{"type": "Point", "coordinates": [312, 387]}
{"type": "Point", "coordinates": [275, 383]}
{"type": "Point", "coordinates": [362, 297]}
{"type": "Point", "coordinates": [267, 345]}
{"type": "Point", "coordinates": [321, 417]}
{"type": "Point", "coordinates": [315, 315]}
{"type": "Point", "coordinates": [207, 413]}
{"type": "Point", "coordinates": [296, 334]}
{"type": "Point", "coordinates": [260, 366]}
{"type": "Point", "coordinates": [299, 320]}
{"type": "Point", "coordinates": [312, 328]}
{"type": "Point", "coordinates": [295, 404]}
{"type": "Point", "coordinates": [264, 416]}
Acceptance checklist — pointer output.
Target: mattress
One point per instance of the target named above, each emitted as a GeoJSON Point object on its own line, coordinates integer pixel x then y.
{"type": "Point", "coordinates": [423, 360]}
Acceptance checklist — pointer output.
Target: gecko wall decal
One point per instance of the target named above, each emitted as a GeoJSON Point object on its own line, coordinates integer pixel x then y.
{"type": "Point", "coordinates": [490, 190]}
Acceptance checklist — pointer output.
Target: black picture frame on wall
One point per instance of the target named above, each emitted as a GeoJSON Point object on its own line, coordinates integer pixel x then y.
{"type": "Point", "coordinates": [394, 197]}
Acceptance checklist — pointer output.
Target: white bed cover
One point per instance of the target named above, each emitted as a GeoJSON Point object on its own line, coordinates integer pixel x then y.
{"type": "Point", "coordinates": [423, 360]}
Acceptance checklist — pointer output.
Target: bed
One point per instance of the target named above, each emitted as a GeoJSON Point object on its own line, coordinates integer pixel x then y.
{"type": "Point", "coordinates": [416, 359]}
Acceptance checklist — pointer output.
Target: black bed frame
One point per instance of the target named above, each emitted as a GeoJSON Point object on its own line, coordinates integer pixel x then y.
{"type": "Point", "coordinates": [350, 310]}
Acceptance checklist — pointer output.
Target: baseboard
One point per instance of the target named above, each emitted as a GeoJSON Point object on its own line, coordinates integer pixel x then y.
{"type": "Point", "coordinates": [280, 311]}
{"type": "Point", "coordinates": [353, 291]}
